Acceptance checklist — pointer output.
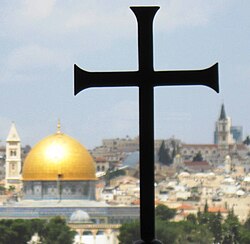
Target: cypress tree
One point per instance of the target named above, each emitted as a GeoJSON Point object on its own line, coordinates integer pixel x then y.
{"type": "Point", "coordinates": [162, 154]}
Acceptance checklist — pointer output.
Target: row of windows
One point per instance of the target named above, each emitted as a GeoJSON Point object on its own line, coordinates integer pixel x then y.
{"type": "Point", "coordinates": [13, 153]}
{"type": "Point", "coordinates": [100, 168]}
{"type": "Point", "coordinates": [192, 152]}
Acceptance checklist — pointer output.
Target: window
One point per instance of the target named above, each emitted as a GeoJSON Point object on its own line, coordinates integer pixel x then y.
{"type": "Point", "coordinates": [13, 166]}
{"type": "Point", "coordinates": [13, 153]}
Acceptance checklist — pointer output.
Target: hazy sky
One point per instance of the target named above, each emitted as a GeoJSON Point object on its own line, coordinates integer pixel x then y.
{"type": "Point", "coordinates": [41, 40]}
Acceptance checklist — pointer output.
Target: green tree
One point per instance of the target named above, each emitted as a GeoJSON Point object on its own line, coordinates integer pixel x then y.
{"type": "Point", "coordinates": [203, 217]}
{"type": "Point", "coordinates": [113, 174]}
{"type": "Point", "coordinates": [129, 232]}
{"type": "Point", "coordinates": [14, 231]}
{"type": "Point", "coordinates": [11, 188]}
{"type": "Point", "coordinates": [194, 233]}
{"type": "Point", "coordinates": [231, 229]}
{"type": "Point", "coordinates": [244, 236]}
{"type": "Point", "coordinates": [206, 207]}
{"type": "Point", "coordinates": [164, 213]}
{"type": "Point", "coordinates": [22, 233]}
{"type": "Point", "coordinates": [174, 149]}
{"type": "Point", "coordinates": [198, 157]}
{"type": "Point", "coordinates": [37, 226]}
{"type": "Point", "coordinates": [245, 232]}
{"type": "Point", "coordinates": [215, 226]}
{"type": "Point", "coordinates": [7, 235]}
{"type": "Point", "coordinates": [2, 190]}
{"type": "Point", "coordinates": [247, 223]}
{"type": "Point", "coordinates": [247, 141]}
{"type": "Point", "coordinates": [164, 155]}
{"type": "Point", "coordinates": [200, 234]}
{"type": "Point", "coordinates": [57, 232]}
{"type": "Point", "coordinates": [166, 231]}
{"type": "Point", "coordinates": [206, 228]}
{"type": "Point", "coordinates": [192, 218]}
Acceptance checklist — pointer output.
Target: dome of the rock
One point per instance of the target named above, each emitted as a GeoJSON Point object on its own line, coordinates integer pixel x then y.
{"type": "Point", "coordinates": [56, 159]}
{"type": "Point", "coordinates": [58, 154]}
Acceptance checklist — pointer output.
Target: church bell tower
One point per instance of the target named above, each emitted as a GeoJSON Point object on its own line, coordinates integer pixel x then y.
{"type": "Point", "coordinates": [222, 134]}
{"type": "Point", "coordinates": [13, 158]}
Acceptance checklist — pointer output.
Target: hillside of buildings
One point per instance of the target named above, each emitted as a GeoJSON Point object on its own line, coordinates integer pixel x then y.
{"type": "Point", "coordinates": [187, 176]}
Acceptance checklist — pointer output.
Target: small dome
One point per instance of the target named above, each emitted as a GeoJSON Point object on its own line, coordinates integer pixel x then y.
{"type": "Point", "coordinates": [79, 216]}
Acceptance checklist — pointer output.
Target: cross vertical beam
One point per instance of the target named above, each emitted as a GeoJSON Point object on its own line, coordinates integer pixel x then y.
{"type": "Point", "coordinates": [146, 120]}
{"type": "Point", "coordinates": [146, 79]}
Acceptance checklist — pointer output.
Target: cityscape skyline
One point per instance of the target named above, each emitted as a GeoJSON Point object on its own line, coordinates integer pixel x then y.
{"type": "Point", "coordinates": [41, 40]}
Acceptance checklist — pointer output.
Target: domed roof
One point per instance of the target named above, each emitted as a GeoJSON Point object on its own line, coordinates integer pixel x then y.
{"type": "Point", "coordinates": [58, 155]}
{"type": "Point", "coordinates": [79, 216]}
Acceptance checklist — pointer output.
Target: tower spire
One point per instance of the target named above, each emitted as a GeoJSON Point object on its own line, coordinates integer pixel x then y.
{"type": "Point", "coordinates": [222, 112]}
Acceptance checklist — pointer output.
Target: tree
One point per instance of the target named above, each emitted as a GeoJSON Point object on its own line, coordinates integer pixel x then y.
{"type": "Point", "coordinates": [7, 235]}
{"type": "Point", "coordinates": [57, 232]}
{"type": "Point", "coordinates": [247, 141]}
{"type": "Point", "coordinates": [247, 223]}
{"type": "Point", "coordinates": [14, 231]}
{"type": "Point", "coordinates": [231, 229]}
{"type": "Point", "coordinates": [129, 232]}
{"type": "Point", "coordinates": [164, 213]}
{"type": "Point", "coordinates": [206, 207]}
{"type": "Point", "coordinates": [198, 157]}
{"type": "Point", "coordinates": [244, 236]}
{"type": "Point", "coordinates": [37, 226]}
{"type": "Point", "coordinates": [175, 148]}
{"type": "Point", "coordinates": [113, 174]}
{"type": "Point", "coordinates": [11, 188]}
{"type": "Point", "coordinates": [215, 226]}
{"type": "Point", "coordinates": [203, 217]}
{"type": "Point", "coordinates": [205, 228]}
{"type": "Point", "coordinates": [169, 160]}
{"type": "Point", "coordinates": [200, 234]}
{"type": "Point", "coordinates": [2, 190]}
{"type": "Point", "coordinates": [164, 155]}
{"type": "Point", "coordinates": [245, 232]}
{"type": "Point", "coordinates": [22, 233]}
{"type": "Point", "coordinates": [192, 218]}
{"type": "Point", "coordinates": [166, 231]}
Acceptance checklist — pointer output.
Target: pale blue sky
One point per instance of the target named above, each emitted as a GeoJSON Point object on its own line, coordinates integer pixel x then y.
{"type": "Point", "coordinates": [41, 40]}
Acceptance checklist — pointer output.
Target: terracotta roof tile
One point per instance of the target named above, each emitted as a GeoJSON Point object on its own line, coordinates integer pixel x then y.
{"type": "Point", "coordinates": [217, 209]}
{"type": "Point", "coordinates": [185, 207]}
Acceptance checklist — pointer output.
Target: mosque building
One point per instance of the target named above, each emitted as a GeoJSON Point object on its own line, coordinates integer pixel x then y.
{"type": "Point", "coordinates": [58, 167]}
{"type": "Point", "coordinates": [58, 178]}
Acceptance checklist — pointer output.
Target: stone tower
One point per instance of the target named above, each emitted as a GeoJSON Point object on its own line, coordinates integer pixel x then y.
{"type": "Point", "coordinates": [222, 134]}
{"type": "Point", "coordinates": [13, 158]}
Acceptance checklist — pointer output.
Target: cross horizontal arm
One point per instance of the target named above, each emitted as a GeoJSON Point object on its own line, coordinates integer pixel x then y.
{"type": "Point", "coordinates": [84, 79]}
{"type": "Point", "coordinates": [207, 77]}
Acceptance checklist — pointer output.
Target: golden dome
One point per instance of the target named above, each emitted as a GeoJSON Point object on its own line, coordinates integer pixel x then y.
{"type": "Point", "coordinates": [58, 155]}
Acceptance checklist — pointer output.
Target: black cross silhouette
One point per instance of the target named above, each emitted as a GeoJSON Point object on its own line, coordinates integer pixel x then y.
{"type": "Point", "coordinates": [146, 79]}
